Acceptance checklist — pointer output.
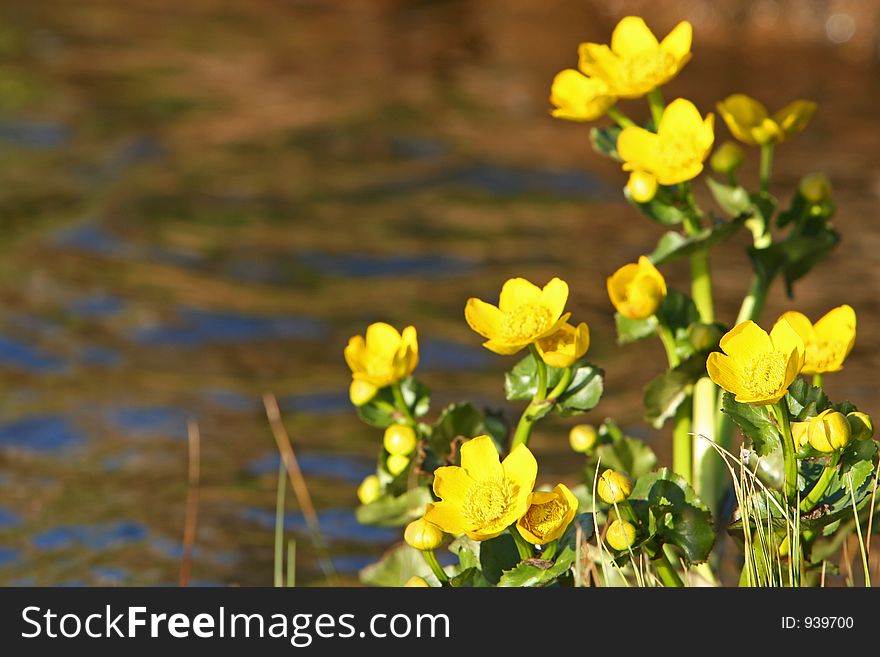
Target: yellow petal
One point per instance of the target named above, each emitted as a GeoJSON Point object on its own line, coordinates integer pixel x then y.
{"type": "Point", "coordinates": [517, 292]}
{"type": "Point", "coordinates": [632, 37]}
{"type": "Point", "coordinates": [678, 42]}
{"type": "Point", "coordinates": [743, 115]}
{"type": "Point", "coordinates": [745, 339]}
{"type": "Point", "coordinates": [619, 281]}
{"type": "Point", "coordinates": [646, 267]}
{"type": "Point", "coordinates": [838, 325]}
{"type": "Point", "coordinates": [383, 340]}
{"type": "Point", "coordinates": [639, 149]}
{"type": "Point", "coordinates": [794, 117]}
{"type": "Point", "coordinates": [681, 117]}
{"type": "Point", "coordinates": [482, 317]}
{"type": "Point", "coordinates": [361, 392]}
{"type": "Point", "coordinates": [447, 517]}
{"type": "Point", "coordinates": [724, 372]}
{"type": "Point", "coordinates": [451, 484]}
{"type": "Point", "coordinates": [354, 353]}
{"type": "Point", "coordinates": [504, 348]}
{"type": "Point", "coordinates": [554, 296]}
{"type": "Point", "coordinates": [786, 339]}
{"type": "Point", "coordinates": [800, 323]}
{"type": "Point", "coordinates": [521, 467]}
{"type": "Point", "coordinates": [479, 458]}
{"type": "Point", "coordinates": [793, 368]}
{"type": "Point", "coordinates": [579, 98]}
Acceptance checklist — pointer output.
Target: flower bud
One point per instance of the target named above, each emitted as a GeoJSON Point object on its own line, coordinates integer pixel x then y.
{"type": "Point", "coordinates": [815, 187]}
{"type": "Point", "coordinates": [642, 186]}
{"type": "Point", "coordinates": [620, 535]}
{"type": "Point", "coordinates": [860, 426]}
{"type": "Point", "coordinates": [417, 582]}
{"type": "Point", "coordinates": [399, 439]}
{"type": "Point", "coordinates": [396, 463]}
{"type": "Point", "coordinates": [582, 438]}
{"type": "Point", "coordinates": [727, 158]}
{"type": "Point", "coordinates": [783, 550]}
{"type": "Point", "coordinates": [829, 431]}
{"type": "Point", "coordinates": [704, 337]}
{"type": "Point", "coordinates": [361, 392]}
{"type": "Point", "coordinates": [614, 486]}
{"type": "Point", "coordinates": [423, 535]}
{"type": "Point", "coordinates": [637, 289]}
{"type": "Point", "coordinates": [369, 490]}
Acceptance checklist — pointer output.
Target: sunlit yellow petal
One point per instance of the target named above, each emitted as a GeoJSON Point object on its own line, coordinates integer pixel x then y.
{"type": "Point", "coordinates": [518, 292]}
{"type": "Point", "coordinates": [678, 42]}
{"type": "Point", "coordinates": [448, 517]}
{"type": "Point", "coordinates": [746, 338]}
{"type": "Point", "coordinates": [521, 467]}
{"type": "Point", "coordinates": [479, 458]}
{"type": "Point", "coordinates": [632, 37]}
{"type": "Point", "coordinates": [504, 348]}
{"type": "Point", "coordinates": [578, 97]}
{"type": "Point", "coordinates": [554, 296]}
{"type": "Point", "coordinates": [382, 339]}
{"type": "Point", "coordinates": [482, 317]}
{"type": "Point", "coordinates": [794, 117]}
{"type": "Point", "coordinates": [724, 372]}
{"type": "Point", "coordinates": [681, 117]}
{"type": "Point", "coordinates": [639, 149]}
{"type": "Point", "coordinates": [800, 323]}
{"type": "Point", "coordinates": [786, 339]}
{"type": "Point", "coordinates": [743, 114]}
{"type": "Point", "coordinates": [838, 324]}
{"type": "Point", "coordinates": [452, 484]}
{"type": "Point", "coordinates": [354, 353]}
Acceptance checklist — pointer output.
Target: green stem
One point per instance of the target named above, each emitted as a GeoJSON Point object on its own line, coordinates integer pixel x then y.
{"type": "Point", "coordinates": [668, 341]}
{"type": "Point", "coordinates": [522, 545]}
{"type": "Point", "coordinates": [683, 442]}
{"type": "Point", "coordinates": [541, 367]}
{"type": "Point", "coordinates": [817, 380]}
{"type": "Point", "coordinates": [852, 495]}
{"type": "Point", "coordinates": [291, 563]}
{"type": "Point", "coordinates": [664, 569]}
{"type": "Point", "coordinates": [527, 419]}
{"type": "Point", "coordinates": [280, 494]}
{"type": "Point", "coordinates": [400, 404]}
{"type": "Point", "coordinates": [655, 101]}
{"type": "Point", "coordinates": [436, 568]}
{"type": "Point", "coordinates": [766, 167]}
{"type": "Point", "coordinates": [812, 499]}
{"type": "Point", "coordinates": [562, 386]}
{"type": "Point", "coordinates": [788, 451]}
{"type": "Point", "coordinates": [753, 304]}
{"type": "Point", "coordinates": [620, 118]}
{"type": "Point", "coordinates": [550, 550]}
{"type": "Point", "coordinates": [701, 286]}
{"type": "Point", "coordinates": [523, 428]}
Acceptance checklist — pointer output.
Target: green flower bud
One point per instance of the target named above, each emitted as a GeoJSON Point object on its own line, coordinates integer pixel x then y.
{"type": "Point", "coordinates": [620, 535]}
{"type": "Point", "coordinates": [369, 490]}
{"type": "Point", "coordinates": [423, 535]}
{"type": "Point", "coordinates": [727, 158]}
{"type": "Point", "coordinates": [582, 438]}
{"type": "Point", "coordinates": [399, 439]}
{"type": "Point", "coordinates": [860, 426]}
{"type": "Point", "coordinates": [417, 582]}
{"type": "Point", "coordinates": [642, 186]}
{"type": "Point", "coordinates": [829, 431]}
{"type": "Point", "coordinates": [815, 187]}
{"type": "Point", "coordinates": [782, 550]}
{"type": "Point", "coordinates": [704, 337]}
{"type": "Point", "coordinates": [614, 486]}
{"type": "Point", "coordinates": [396, 463]}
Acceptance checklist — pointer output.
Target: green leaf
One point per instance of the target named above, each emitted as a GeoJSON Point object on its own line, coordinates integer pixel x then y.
{"type": "Point", "coordinates": [666, 392]}
{"type": "Point", "coordinates": [755, 423]}
{"type": "Point", "coordinates": [604, 141]}
{"type": "Point", "coordinates": [805, 401]}
{"type": "Point", "coordinates": [497, 555]}
{"type": "Point", "coordinates": [794, 256]}
{"type": "Point", "coordinates": [537, 572]}
{"type": "Point", "coordinates": [416, 395]}
{"type": "Point", "coordinates": [631, 330]}
{"type": "Point", "coordinates": [674, 246]}
{"type": "Point", "coordinates": [470, 578]}
{"type": "Point", "coordinates": [678, 312]}
{"type": "Point", "coordinates": [456, 420]}
{"type": "Point", "coordinates": [584, 391]}
{"type": "Point", "coordinates": [396, 566]}
{"type": "Point", "coordinates": [377, 411]}
{"type": "Point", "coordinates": [390, 511]}
{"type": "Point", "coordinates": [626, 454]}
{"type": "Point", "coordinates": [467, 550]}
{"type": "Point", "coordinates": [858, 458]}
{"type": "Point", "coordinates": [734, 200]}
{"type": "Point", "coordinates": [581, 395]}
{"type": "Point", "coordinates": [671, 509]}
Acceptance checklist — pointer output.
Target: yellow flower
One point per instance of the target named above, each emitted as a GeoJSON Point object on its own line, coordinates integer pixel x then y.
{"type": "Point", "coordinates": [676, 152]}
{"type": "Point", "coordinates": [579, 98]}
{"type": "Point", "coordinates": [642, 187]}
{"type": "Point", "coordinates": [417, 582]}
{"type": "Point", "coordinates": [484, 496]}
{"type": "Point", "coordinates": [384, 357]}
{"type": "Point", "coordinates": [361, 392]}
{"type": "Point", "coordinates": [860, 425]}
{"type": "Point", "coordinates": [828, 341]}
{"type": "Point", "coordinates": [369, 490]}
{"type": "Point", "coordinates": [756, 367]}
{"type": "Point", "coordinates": [582, 438]}
{"type": "Point", "coordinates": [548, 515]}
{"type": "Point", "coordinates": [525, 314]}
{"type": "Point", "coordinates": [399, 439]}
{"type": "Point", "coordinates": [749, 121]}
{"type": "Point", "coordinates": [636, 290]}
{"type": "Point", "coordinates": [423, 535]}
{"type": "Point", "coordinates": [563, 348]}
{"type": "Point", "coordinates": [636, 62]}
{"type": "Point", "coordinates": [829, 431]}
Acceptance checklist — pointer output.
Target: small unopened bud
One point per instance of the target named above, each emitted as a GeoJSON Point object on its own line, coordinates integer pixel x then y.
{"type": "Point", "coordinates": [727, 158]}
{"type": "Point", "coordinates": [399, 439]}
{"type": "Point", "coordinates": [620, 535]}
{"type": "Point", "coordinates": [582, 438]}
{"type": "Point", "coordinates": [799, 433]}
{"type": "Point", "coordinates": [829, 431]}
{"type": "Point", "coordinates": [423, 535]}
{"type": "Point", "coordinates": [860, 425]}
{"type": "Point", "coordinates": [614, 486]}
{"type": "Point", "coordinates": [361, 392]}
{"type": "Point", "coordinates": [417, 582]}
{"type": "Point", "coordinates": [369, 490]}
{"type": "Point", "coordinates": [815, 187]}
{"type": "Point", "coordinates": [704, 337]}
{"type": "Point", "coordinates": [396, 463]}
{"type": "Point", "coordinates": [642, 187]}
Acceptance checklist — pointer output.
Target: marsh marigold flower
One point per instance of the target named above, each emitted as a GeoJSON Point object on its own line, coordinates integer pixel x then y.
{"type": "Point", "coordinates": [676, 152]}
{"type": "Point", "coordinates": [548, 515]}
{"type": "Point", "coordinates": [485, 495]}
{"type": "Point", "coordinates": [637, 289]}
{"type": "Point", "coordinates": [828, 341]}
{"type": "Point", "coordinates": [636, 63]}
{"type": "Point", "coordinates": [579, 98]}
{"type": "Point", "coordinates": [563, 348]}
{"type": "Point", "coordinates": [749, 121]}
{"type": "Point", "coordinates": [758, 368]}
{"type": "Point", "coordinates": [829, 431]}
{"type": "Point", "coordinates": [525, 314]}
{"type": "Point", "coordinates": [380, 359]}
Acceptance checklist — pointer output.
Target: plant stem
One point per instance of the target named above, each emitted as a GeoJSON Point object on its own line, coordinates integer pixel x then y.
{"type": "Point", "coordinates": [852, 495]}
{"type": "Point", "coordinates": [400, 404]}
{"type": "Point", "coordinates": [664, 569]}
{"type": "Point", "coordinates": [655, 100]}
{"type": "Point", "coordinates": [550, 551]}
{"type": "Point", "coordinates": [562, 386]}
{"type": "Point", "coordinates": [620, 118]}
{"type": "Point", "coordinates": [812, 499]}
{"type": "Point", "coordinates": [781, 411]}
{"type": "Point", "coordinates": [766, 167]}
{"type": "Point", "coordinates": [817, 380]}
{"type": "Point", "coordinates": [668, 341]}
{"type": "Point", "coordinates": [291, 563]}
{"type": "Point", "coordinates": [280, 494]}
{"type": "Point", "coordinates": [436, 568]}
{"type": "Point", "coordinates": [701, 286]}
{"type": "Point", "coordinates": [683, 442]}
{"type": "Point", "coordinates": [522, 545]}
{"type": "Point", "coordinates": [523, 428]}
{"type": "Point", "coordinates": [541, 368]}
{"type": "Point", "coordinates": [527, 419]}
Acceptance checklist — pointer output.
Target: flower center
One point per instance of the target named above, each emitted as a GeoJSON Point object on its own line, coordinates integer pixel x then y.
{"type": "Point", "coordinates": [489, 501]}
{"type": "Point", "coordinates": [541, 519]}
{"type": "Point", "coordinates": [764, 375]}
{"type": "Point", "coordinates": [526, 322]}
{"type": "Point", "coordinates": [821, 356]}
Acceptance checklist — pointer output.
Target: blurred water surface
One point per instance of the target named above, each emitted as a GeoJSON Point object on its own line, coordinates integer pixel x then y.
{"type": "Point", "coordinates": [202, 201]}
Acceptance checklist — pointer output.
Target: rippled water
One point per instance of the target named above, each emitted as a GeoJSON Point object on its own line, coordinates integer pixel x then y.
{"type": "Point", "coordinates": [202, 205]}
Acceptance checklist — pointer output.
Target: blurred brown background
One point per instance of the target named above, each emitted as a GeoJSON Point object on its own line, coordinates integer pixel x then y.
{"type": "Point", "coordinates": [202, 201]}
